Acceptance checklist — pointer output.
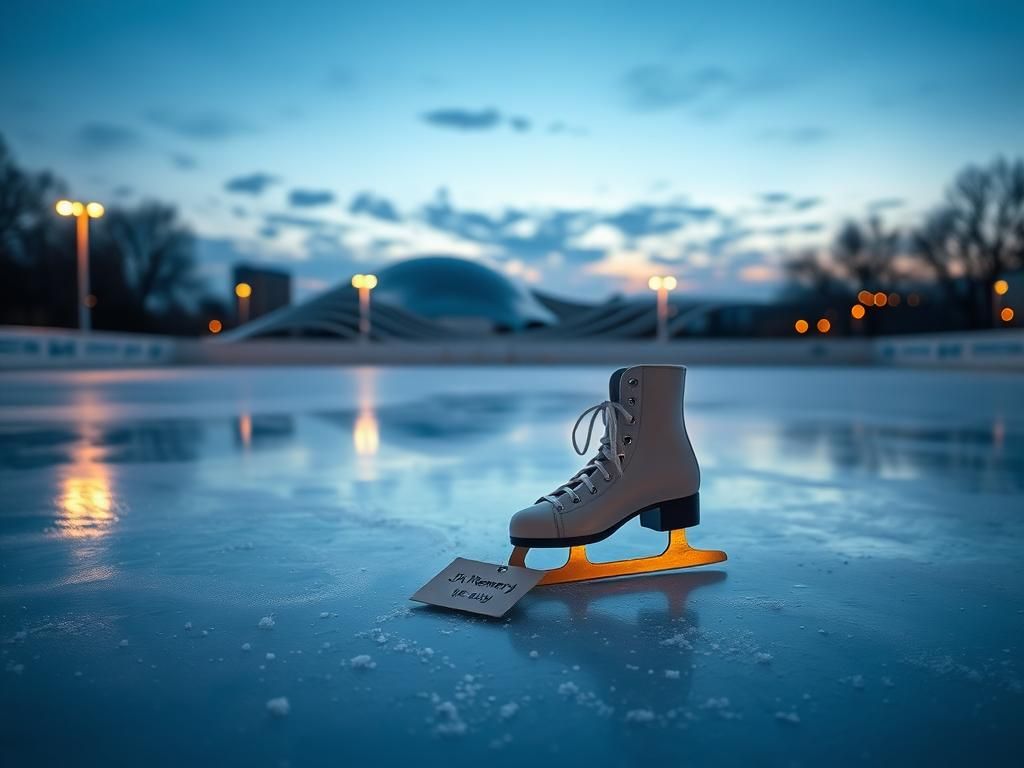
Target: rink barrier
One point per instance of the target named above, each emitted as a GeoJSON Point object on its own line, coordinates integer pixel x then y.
{"type": "Point", "coordinates": [35, 348]}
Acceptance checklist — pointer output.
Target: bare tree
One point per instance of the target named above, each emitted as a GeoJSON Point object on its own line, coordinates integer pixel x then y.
{"type": "Point", "coordinates": [976, 236]}
{"type": "Point", "coordinates": [154, 254]}
{"type": "Point", "coordinates": [862, 256]}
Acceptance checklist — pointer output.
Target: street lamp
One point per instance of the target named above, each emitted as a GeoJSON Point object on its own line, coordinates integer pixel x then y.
{"type": "Point", "coordinates": [82, 213]}
{"type": "Point", "coordinates": [1000, 288]}
{"type": "Point", "coordinates": [365, 284]}
{"type": "Point", "coordinates": [662, 285]}
{"type": "Point", "coordinates": [243, 291]}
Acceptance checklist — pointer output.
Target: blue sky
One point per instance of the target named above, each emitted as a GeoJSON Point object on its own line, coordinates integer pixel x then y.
{"type": "Point", "coordinates": [580, 146]}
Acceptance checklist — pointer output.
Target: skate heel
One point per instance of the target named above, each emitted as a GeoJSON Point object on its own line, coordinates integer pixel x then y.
{"type": "Point", "coordinates": [672, 515]}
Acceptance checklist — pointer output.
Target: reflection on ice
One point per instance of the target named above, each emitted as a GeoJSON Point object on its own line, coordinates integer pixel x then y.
{"type": "Point", "coordinates": [85, 507]}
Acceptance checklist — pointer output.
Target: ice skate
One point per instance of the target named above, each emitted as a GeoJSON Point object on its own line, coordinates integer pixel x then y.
{"type": "Point", "coordinates": [645, 466]}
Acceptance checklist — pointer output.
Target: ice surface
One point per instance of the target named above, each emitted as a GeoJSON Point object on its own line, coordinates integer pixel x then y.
{"type": "Point", "coordinates": [880, 507]}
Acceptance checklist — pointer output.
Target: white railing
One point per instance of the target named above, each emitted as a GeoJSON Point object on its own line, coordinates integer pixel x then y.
{"type": "Point", "coordinates": [34, 348]}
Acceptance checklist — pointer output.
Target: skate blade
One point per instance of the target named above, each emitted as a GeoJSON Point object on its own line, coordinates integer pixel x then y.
{"type": "Point", "coordinates": [678, 554]}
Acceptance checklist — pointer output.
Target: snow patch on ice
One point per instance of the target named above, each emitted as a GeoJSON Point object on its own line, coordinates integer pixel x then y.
{"type": "Point", "coordinates": [362, 661]}
{"type": "Point", "coordinates": [267, 622]}
{"type": "Point", "coordinates": [639, 716]}
{"type": "Point", "coordinates": [279, 707]}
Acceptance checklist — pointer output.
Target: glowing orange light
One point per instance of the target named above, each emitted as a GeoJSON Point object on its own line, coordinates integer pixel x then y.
{"type": "Point", "coordinates": [1001, 287]}
{"type": "Point", "coordinates": [245, 429]}
{"type": "Point", "coordinates": [370, 281]}
{"type": "Point", "coordinates": [64, 207]}
{"type": "Point", "coordinates": [858, 311]}
{"type": "Point", "coordinates": [1006, 314]}
{"type": "Point", "coordinates": [215, 326]}
{"type": "Point", "coordinates": [894, 299]}
{"type": "Point", "coordinates": [243, 290]}
{"type": "Point", "coordinates": [824, 326]}
{"type": "Point", "coordinates": [669, 283]}
{"type": "Point", "coordinates": [801, 326]}
{"type": "Point", "coordinates": [913, 300]}
{"type": "Point", "coordinates": [867, 298]}
{"type": "Point", "coordinates": [881, 299]}
{"type": "Point", "coordinates": [366, 434]}
{"type": "Point", "coordinates": [77, 209]}
{"type": "Point", "coordinates": [95, 210]}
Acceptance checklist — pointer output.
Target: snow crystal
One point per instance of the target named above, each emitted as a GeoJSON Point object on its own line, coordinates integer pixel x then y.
{"type": "Point", "coordinates": [450, 723]}
{"type": "Point", "coordinates": [362, 661]}
{"type": "Point", "coordinates": [639, 716]}
{"type": "Point", "coordinates": [267, 622]}
{"type": "Point", "coordinates": [763, 658]}
{"type": "Point", "coordinates": [279, 707]}
{"type": "Point", "coordinates": [508, 710]}
{"type": "Point", "coordinates": [246, 647]}
{"type": "Point", "coordinates": [788, 717]}
{"type": "Point", "coordinates": [188, 626]}
{"type": "Point", "coordinates": [672, 674]}
{"type": "Point", "coordinates": [270, 657]}
{"type": "Point", "coordinates": [568, 689]}
{"type": "Point", "coordinates": [123, 644]}
{"type": "Point", "coordinates": [324, 615]}
{"type": "Point", "coordinates": [534, 655]}
{"type": "Point", "coordinates": [713, 703]}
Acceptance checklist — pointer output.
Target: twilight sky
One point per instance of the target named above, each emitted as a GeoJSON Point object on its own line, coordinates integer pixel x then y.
{"type": "Point", "coordinates": [582, 146]}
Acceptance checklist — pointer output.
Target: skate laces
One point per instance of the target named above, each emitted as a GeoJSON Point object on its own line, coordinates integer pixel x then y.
{"type": "Point", "coordinates": [608, 450]}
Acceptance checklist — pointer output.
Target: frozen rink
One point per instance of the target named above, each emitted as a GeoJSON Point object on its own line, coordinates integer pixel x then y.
{"type": "Point", "coordinates": [211, 566]}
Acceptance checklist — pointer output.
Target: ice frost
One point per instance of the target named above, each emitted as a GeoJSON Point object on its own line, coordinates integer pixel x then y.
{"type": "Point", "coordinates": [362, 661]}
{"type": "Point", "coordinates": [267, 622]}
{"type": "Point", "coordinates": [279, 707]}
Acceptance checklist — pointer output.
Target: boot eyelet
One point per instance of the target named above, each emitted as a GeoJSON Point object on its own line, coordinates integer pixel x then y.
{"type": "Point", "coordinates": [560, 508]}
{"type": "Point", "coordinates": [576, 500]}
{"type": "Point", "coordinates": [593, 491]}
{"type": "Point", "coordinates": [632, 401]}
{"type": "Point", "coordinates": [627, 439]}
{"type": "Point", "coordinates": [632, 419]}
{"type": "Point", "coordinates": [633, 382]}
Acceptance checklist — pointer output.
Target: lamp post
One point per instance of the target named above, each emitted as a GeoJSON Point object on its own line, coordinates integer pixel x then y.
{"type": "Point", "coordinates": [662, 285]}
{"type": "Point", "coordinates": [365, 284]}
{"type": "Point", "coordinates": [243, 291]}
{"type": "Point", "coordinates": [82, 213]}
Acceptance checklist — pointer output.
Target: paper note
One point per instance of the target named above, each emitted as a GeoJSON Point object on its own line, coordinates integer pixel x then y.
{"type": "Point", "coordinates": [484, 588]}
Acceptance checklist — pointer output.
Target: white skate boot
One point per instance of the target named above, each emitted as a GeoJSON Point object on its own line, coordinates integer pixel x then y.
{"type": "Point", "coordinates": [645, 466]}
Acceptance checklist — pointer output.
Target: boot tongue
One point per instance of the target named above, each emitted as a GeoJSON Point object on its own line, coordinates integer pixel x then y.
{"type": "Point", "coordinates": [613, 385]}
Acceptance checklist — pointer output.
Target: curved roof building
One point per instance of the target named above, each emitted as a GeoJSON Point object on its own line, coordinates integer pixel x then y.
{"type": "Point", "coordinates": [462, 294]}
{"type": "Point", "coordinates": [444, 298]}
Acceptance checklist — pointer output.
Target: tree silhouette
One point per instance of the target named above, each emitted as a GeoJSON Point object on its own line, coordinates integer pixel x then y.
{"type": "Point", "coordinates": [975, 236]}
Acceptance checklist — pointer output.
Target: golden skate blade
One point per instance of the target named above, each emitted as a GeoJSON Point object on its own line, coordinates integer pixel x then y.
{"type": "Point", "coordinates": [678, 554]}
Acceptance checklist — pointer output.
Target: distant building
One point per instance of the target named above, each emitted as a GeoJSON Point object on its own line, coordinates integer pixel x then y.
{"type": "Point", "coordinates": [271, 289]}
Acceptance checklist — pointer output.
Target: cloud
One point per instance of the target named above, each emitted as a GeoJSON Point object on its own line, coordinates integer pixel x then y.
{"type": "Point", "coordinates": [519, 123]}
{"type": "Point", "coordinates": [655, 87]}
{"type": "Point", "coordinates": [253, 184]}
{"type": "Point", "coordinates": [464, 119]}
{"type": "Point", "coordinates": [108, 137]}
{"type": "Point", "coordinates": [300, 222]}
{"type": "Point", "coordinates": [644, 220]}
{"type": "Point", "coordinates": [370, 205]}
{"type": "Point", "coordinates": [310, 198]}
{"type": "Point", "coordinates": [886, 203]}
{"type": "Point", "coordinates": [203, 126]}
{"type": "Point", "coordinates": [804, 135]}
{"type": "Point", "coordinates": [183, 162]}
{"type": "Point", "coordinates": [774, 198]}
{"type": "Point", "coordinates": [806, 203]}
